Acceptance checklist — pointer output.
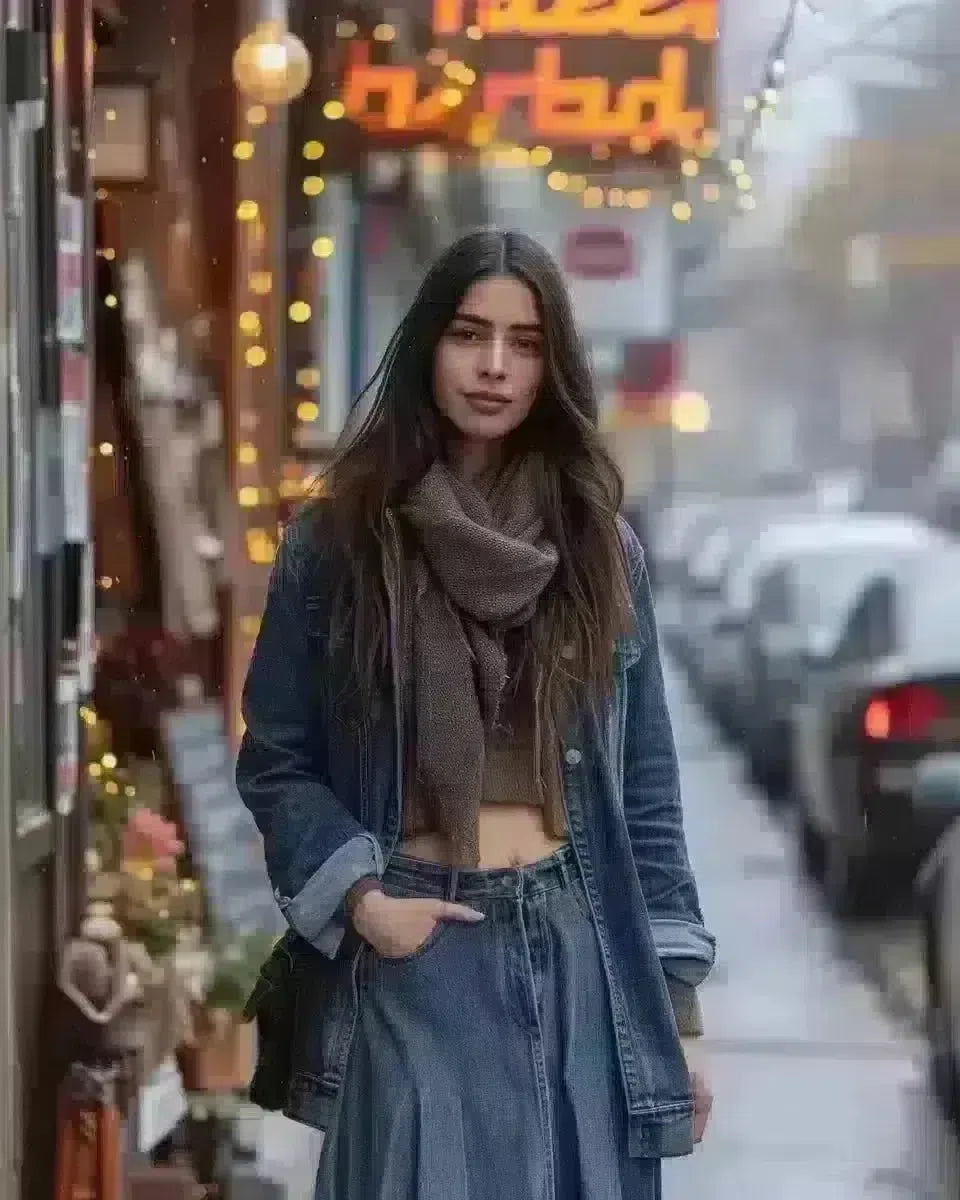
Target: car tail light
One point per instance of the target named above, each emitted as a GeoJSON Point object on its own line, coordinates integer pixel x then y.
{"type": "Point", "coordinates": [905, 713]}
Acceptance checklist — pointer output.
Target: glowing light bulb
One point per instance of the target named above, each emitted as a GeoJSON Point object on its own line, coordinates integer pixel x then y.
{"type": "Point", "coordinates": [271, 65]}
{"type": "Point", "coordinates": [308, 411]}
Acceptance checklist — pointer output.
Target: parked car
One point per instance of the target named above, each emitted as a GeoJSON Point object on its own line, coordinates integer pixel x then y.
{"type": "Point", "coordinates": [725, 655]}
{"type": "Point", "coordinates": [704, 596]}
{"type": "Point", "coordinates": [783, 611]}
{"type": "Point", "coordinates": [675, 578]}
{"type": "Point", "coordinates": [881, 691]}
{"type": "Point", "coordinates": [694, 580]}
{"type": "Point", "coordinates": [668, 538]}
{"type": "Point", "coordinates": [937, 794]}
{"type": "Point", "coordinates": [939, 492]}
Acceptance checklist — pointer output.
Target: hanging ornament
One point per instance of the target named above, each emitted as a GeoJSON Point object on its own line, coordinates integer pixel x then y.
{"type": "Point", "coordinates": [271, 65]}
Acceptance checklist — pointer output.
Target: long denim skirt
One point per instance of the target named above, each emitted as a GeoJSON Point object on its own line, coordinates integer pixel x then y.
{"type": "Point", "coordinates": [484, 1065]}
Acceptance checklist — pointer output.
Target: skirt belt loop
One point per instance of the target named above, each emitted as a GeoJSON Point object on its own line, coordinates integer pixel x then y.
{"type": "Point", "coordinates": [563, 867]}
{"type": "Point", "coordinates": [453, 878]}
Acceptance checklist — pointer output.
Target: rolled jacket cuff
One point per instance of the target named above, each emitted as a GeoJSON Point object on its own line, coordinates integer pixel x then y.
{"type": "Point", "coordinates": [316, 912]}
{"type": "Point", "coordinates": [685, 948]}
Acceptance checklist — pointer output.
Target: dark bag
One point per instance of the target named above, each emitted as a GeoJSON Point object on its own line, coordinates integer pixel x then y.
{"type": "Point", "coordinates": [273, 1005]}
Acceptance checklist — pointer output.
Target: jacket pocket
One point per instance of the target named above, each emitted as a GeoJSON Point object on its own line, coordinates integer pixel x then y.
{"type": "Point", "coordinates": [323, 1018]}
{"type": "Point", "coordinates": [301, 1004]}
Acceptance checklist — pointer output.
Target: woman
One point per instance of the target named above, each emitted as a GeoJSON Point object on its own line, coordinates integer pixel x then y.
{"type": "Point", "coordinates": [458, 751]}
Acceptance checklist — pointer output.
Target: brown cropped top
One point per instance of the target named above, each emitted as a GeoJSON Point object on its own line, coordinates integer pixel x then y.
{"type": "Point", "coordinates": [510, 770]}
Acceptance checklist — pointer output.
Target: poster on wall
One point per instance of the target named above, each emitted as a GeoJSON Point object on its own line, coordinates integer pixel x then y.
{"type": "Point", "coordinates": [75, 443]}
{"type": "Point", "coordinates": [222, 835]}
{"type": "Point", "coordinates": [71, 300]}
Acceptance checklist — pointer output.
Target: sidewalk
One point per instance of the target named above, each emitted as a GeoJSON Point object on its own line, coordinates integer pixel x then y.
{"type": "Point", "coordinates": [812, 1079]}
{"type": "Point", "coordinates": [289, 1154]}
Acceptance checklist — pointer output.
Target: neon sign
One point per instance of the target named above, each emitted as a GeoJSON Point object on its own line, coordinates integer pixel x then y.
{"type": "Point", "coordinates": [559, 107]}
{"type": "Point", "coordinates": [649, 19]}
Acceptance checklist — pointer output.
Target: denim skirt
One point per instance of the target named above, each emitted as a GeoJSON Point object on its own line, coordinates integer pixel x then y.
{"type": "Point", "coordinates": [484, 1065]}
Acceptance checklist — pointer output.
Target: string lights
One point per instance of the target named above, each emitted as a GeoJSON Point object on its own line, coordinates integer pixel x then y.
{"type": "Point", "coordinates": [759, 107]}
{"type": "Point", "coordinates": [260, 543]}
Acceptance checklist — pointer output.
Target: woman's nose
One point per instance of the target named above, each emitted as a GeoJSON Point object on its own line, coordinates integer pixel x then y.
{"type": "Point", "coordinates": [494, 362]}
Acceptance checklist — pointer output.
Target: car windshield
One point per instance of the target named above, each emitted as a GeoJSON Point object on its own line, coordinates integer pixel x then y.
{"type": "Point", "coordinates": [846, 537]}
{"type": "Point", "coordinates": [824, 584]}
{"type": "Point", "coordinates": [740, 531]}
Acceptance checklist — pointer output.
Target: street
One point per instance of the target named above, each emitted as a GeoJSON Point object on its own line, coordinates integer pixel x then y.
{"type": "Point", "coordinates": [812, 1051]}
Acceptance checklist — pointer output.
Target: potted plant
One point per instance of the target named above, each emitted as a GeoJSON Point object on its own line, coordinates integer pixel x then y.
{"type": "Point", "coordinates": [134, 875]}
{"type": "Point", "coordinates": [219, 1056]}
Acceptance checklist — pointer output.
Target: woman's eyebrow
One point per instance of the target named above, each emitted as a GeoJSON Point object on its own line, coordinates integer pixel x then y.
{"type": "Point", "coordinates": [484, 323]}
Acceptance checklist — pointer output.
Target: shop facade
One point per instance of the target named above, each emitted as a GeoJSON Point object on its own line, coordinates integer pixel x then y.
{"type": "Point", "coordinates": [112, 594]}
{"type": "Point", "coordinates": [45, 580]}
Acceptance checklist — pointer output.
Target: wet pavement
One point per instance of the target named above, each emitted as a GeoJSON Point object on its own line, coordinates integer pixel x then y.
{"type": "Point", "coordinates": [819, 1085]}
{"type": "Point", "coordinates": [818, 1078]}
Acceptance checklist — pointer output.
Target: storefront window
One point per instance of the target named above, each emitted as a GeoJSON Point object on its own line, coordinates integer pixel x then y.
{"type": "Point", "coordinates": [30, 454]}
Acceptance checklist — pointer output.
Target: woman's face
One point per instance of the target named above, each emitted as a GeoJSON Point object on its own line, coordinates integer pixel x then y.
{"type": "Point", "coordinates": [489, 362]}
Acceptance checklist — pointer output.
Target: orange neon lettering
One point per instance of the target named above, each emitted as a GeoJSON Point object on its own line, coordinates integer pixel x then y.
{"type": "Point", "coordinates": [398, 86]}
{"type": "Point", "coordinates": [448, 18]}
{"type": "Point", "coordinates": [574, 109]}
{"type": "Point", "coordinates": [578, 109]}
{"type": "Point", "coordinates": [667, 94]}
{"type": "Point", "coordinates": [650, 19]}
{"type": "Point", "coordinates": [431, 112]}
{"type": "Point", "coordinates": [402, 110]}
{"type": "Point", "coordinates": [566, 107]}
{"type": "Point", "coordinates": [501, 88]}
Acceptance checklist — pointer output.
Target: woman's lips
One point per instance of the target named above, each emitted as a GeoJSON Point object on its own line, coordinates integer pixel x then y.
{"type": "Point", "coordinates": [486, 402]}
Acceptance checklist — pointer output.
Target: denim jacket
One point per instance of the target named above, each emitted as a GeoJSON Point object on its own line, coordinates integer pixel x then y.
{"type": "Point", "coordinates": [323, 776]}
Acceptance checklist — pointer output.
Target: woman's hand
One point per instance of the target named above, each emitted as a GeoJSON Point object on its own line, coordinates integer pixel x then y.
{"type": "Point", "coordinates": [702, 1105]}
{"type": "Point", "coordinates": [702, 1096]}
{"type": "Point", "coordinates": [396, 927]}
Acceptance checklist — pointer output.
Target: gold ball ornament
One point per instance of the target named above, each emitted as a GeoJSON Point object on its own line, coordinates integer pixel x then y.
{"type": "Point", "coordinates": [271, 65]}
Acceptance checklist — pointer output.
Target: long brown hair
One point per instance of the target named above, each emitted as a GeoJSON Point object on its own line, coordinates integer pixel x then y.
{"type": "Point", "coordinates": [401, 433]}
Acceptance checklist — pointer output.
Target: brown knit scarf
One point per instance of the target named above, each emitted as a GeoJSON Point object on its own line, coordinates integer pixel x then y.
{"type": "Point", "coordinates": [481, 566]}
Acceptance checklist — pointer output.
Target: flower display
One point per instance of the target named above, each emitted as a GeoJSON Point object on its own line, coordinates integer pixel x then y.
{"type": "Point", "coordinates": [152, 842]}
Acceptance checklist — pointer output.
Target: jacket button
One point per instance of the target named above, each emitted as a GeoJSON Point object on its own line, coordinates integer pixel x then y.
{"type": "Point", "coordinates": [568, 650]}
{"type": "Point", "coordinates": [574, 758]}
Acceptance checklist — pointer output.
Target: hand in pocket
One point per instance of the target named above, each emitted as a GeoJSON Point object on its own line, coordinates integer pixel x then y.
{"type": "Point", "coordinates": [398, 927]}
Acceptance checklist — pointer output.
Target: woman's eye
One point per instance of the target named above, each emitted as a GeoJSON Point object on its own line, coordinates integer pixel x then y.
{"type": "Point", "coordinates": [464, 335]}
{"type": "Point", "coordinates": [529, 345]}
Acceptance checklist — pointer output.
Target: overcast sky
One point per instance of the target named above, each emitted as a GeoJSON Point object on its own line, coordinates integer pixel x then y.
{"type": "Point", "coordinates": [817, 102]}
